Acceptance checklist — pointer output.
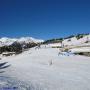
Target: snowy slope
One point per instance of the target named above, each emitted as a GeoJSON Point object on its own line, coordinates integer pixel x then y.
{"type": "Point", "coordinates": [81, 49]}
{"type": "Point", "coordinates": [74, 41]}
{"type": "Point", "coordinates": [8, 41]}
{"type": "Point", "coordinates": [33, 67]}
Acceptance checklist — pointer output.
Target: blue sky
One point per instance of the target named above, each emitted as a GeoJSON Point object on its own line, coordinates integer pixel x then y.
{"type": "Point", "coordinates": [44, 18]}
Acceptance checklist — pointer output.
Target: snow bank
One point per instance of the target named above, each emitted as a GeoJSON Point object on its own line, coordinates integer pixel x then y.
{"type": "Point", "coordinates": [82, 49]}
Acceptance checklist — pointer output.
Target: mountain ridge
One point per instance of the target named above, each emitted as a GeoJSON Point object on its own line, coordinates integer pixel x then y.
{"type": "Point", "coordinates": [70, 40]}
{"type": "Point", "coordinates": [5, 41]}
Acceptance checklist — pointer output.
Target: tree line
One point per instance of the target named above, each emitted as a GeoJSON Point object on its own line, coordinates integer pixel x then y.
{"type": "Point", "coordinates": [16, 47]}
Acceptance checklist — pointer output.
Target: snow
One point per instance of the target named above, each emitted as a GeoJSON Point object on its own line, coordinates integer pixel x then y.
{"type": "Point", "coordinates": [74, 41]}
{"type": "Point", "coordinates": [8, 41]}
{"type": "Point", "coordinates": [81, 49]}
{"type": "Point", "coordinates": [70, 41]}
{"type": "Point", "coordinates": [34, 68]}
{"type": "Point", "coordinates": [29, 39]}
{"type": "Point", "coordinates": [55, 44]}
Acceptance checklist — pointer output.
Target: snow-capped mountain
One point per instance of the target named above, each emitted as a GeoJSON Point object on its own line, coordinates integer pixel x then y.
{"type": "Point", "coordinates": [29, 39]}
{"type": "Point", "coordinates": [8, 41]}
{"type": "Point", "coordinates": [75, 40]}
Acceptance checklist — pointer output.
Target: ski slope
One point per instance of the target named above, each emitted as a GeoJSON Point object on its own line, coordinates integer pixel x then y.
{"type": "Point", "coordinates": [43, 69]}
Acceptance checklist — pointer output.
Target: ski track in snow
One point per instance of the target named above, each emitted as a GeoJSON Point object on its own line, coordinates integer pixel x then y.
{"type": "Point", "coordinates": [32, 70]}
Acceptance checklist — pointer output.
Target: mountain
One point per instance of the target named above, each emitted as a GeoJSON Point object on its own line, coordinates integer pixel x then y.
{"type": "Point", "coordinates": [5, 41]}
{"type": "Point", "coordinates": [71, 40]}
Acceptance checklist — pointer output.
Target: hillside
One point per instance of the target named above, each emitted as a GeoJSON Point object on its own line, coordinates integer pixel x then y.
{"type": "Point", "coordinates": [71, 40]}
{"type": "Point", "coordinates": [77, 44]}
{"type": "Point", "coordinates": [46, 66]}
{"type": "Point", "coordinates": [72, 43]}
{"type": "Point", "coordinates": [43, 69]}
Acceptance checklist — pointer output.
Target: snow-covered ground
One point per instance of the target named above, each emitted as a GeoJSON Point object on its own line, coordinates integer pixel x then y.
{"type": "Point", "coordinates": [74, 41]}
{"type": "Point", "coordinates": [80, 49]}
{"type": "Point", "coordinates": [43, 69]}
